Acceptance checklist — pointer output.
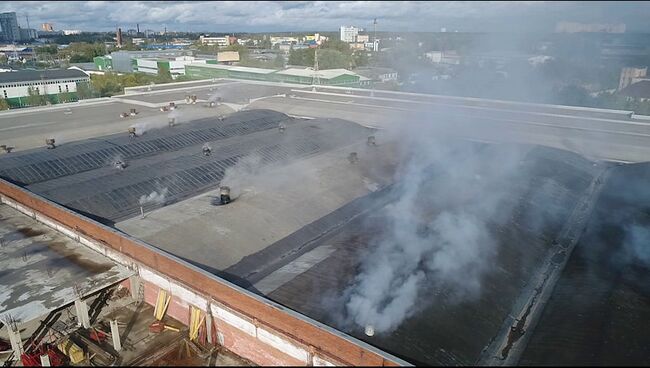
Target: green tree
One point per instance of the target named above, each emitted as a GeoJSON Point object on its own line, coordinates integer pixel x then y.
{"type": "Point", "coordinates": [278, 62]}
{"type": "Point", "coordinates": [265, 44]}
{"type": "Point", "coordinates": [4, 104]}
{"type": "Point", "coordinates": [34, 98]}
{"type": "Point", "coordinates": [333, 59]}
{"type": "Point", "coordinates": [48, 49]}
{"type": "Point", "coordinates": [83, 90]}
{"type": "Point", "coordinates": [301, 57]}
{"type": "Point", "coordinates": [337, 45]}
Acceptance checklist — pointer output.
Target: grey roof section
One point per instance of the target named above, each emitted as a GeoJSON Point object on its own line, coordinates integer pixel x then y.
{"type": "Point", "coordinates": [442, 331]}
{"type": "Point", "coordinates": [33, 75]}
{"type": "Point", "coordinates": [37, 165]}
{"type": "Point", "coordinates": [40, 268]}
{"type": "Point", "coordinates": [81, 175]}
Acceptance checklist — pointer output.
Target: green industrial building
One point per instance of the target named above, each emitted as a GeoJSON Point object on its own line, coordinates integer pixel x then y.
{"type": "Point", "coordinates": [332, 77]}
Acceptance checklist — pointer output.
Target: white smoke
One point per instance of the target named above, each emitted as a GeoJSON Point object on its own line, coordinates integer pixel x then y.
{"type": "Point", "coordinates": [635, 244]}
{"type": "Point", "coordinates": [214, 97]}
{"type": "Point", "coordinates": [157, 197]}
{"type": "Point", "coordinates": [243, 174]}
{"type": "Point", "coordinates": [149, 124]}
{"type": "Point", "coordinates": [436, 235]}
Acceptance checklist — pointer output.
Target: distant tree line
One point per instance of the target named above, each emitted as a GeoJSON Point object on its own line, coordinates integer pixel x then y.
{"type": "Point", "coordinates": [332, 54]}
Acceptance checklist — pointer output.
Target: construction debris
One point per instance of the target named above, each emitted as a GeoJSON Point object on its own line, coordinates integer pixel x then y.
{"type": "Point", "coordinates": [74, 352]}
{"type": "Point", "coordinates": [161, 305]}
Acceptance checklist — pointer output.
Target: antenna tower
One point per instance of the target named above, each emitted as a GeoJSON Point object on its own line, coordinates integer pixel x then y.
{"type": "Point", "coordinates": [374, 41]}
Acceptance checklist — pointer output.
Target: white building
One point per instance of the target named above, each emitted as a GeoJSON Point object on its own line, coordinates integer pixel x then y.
{"type": "Point", "coordinates": [349, 34]}
{"type": "Point", "coordinates": [15, 86]}
{"type": "Point", "coordinates": [443, 57]}
{"type": "Point", "coordinates": [68, 32]}
{"type": "Point", "coordinates": [281, 40]}
{"type": "Point", "coordinates": [175, 65]}
{"type": "Point", "coordinates": [219, 41]}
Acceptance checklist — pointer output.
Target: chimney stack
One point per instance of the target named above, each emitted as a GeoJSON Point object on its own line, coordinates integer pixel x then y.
{"type": "Point", "coordinates": [119, 37]}
{"type": "Point", "coordinates": [353, 157]}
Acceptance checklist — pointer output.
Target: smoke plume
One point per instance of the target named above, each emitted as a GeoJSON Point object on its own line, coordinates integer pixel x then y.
{"type": "Point", "coordinates": [156, 197]}
{"type": "Point", "coordinates": [435, 235]}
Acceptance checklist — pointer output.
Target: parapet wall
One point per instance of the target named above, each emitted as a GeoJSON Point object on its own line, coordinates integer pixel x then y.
{"type": "Point", "coordinates": [248, 325]}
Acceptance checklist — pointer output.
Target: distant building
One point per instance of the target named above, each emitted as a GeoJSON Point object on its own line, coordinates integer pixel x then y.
{"type": "Point", "coordinates": [15, 86]}
{"type": "Point", "coordinates": [227, 57]}
{"type": "Point", "coordinates": [126, 61]}
{"type": "Point", "coordinates": [571, 27]}
{"type": "Point", "coordinates": [9, 26]}
{"type": "Point", "coordinates": [174, 65]}
{"type": "Point", "coordinates": [317, 37]}
{"type": "Point", "coordinates": [628, 76]}
{"type": "Point", "coordinates": [349, 33]}
{"type": "Point", "coordinates": [219, 41]}
{"type": "Point", "coordinates": [27, 34]}
{"type": "Point", "coordinates": [47, 27]}
{"type": "Point", "coordinates": [132, 32]}
{"type": "Point", "coordinates": [443, 57]}
{"type": "Point", "coordinates": [333, 77]}
{"type": "Point", "coordinates": [382, 75]}
{"type": "Point", "coordinates": [138, 41]}
{"type": "Point", "coordinates": [285, 40]}
{"type": "Point", "coordinates": [17, 53]}
{"type": "Point", "coordinates": [363, 38]}
{"type": "Point", "coordinates": [372, 46]}
{"type": "Point", "coordinates": [69, 32]}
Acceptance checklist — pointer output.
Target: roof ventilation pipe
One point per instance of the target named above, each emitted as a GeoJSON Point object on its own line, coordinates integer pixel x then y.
{"type": "Point", "coordinates": [224, 195]}
{"type": "Point", "coordinates": [50, 143]}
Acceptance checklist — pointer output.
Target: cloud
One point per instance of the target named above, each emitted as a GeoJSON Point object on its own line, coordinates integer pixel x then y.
{"type": "Point", "coordinates": [260, 16]}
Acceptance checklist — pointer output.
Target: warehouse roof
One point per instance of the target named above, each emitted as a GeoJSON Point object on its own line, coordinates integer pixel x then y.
{"type": "Point", "coordinates": [244, 69]}
{"type": "Point", "coordinates": [327, 73]}
{"type": "Point", "coordinates": [32, 75]}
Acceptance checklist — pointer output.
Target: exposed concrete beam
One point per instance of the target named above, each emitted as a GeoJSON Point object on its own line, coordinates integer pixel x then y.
{"type": "Point", "coordinates": [115, 335]}
{"type": "Point", "coordinates": [81, 309]}
{"type": "Point", "coordinates": [15, 340]}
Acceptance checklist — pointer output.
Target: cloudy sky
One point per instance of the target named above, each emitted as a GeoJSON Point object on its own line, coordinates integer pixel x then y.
{"type": "Point", "coordinates": [266, 16]}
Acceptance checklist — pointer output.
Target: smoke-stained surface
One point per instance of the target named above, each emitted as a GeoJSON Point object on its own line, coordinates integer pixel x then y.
{"type": "Point", "coordinates": [437, 271]}
{"type": "Point", "coordinates": [600, 307]}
